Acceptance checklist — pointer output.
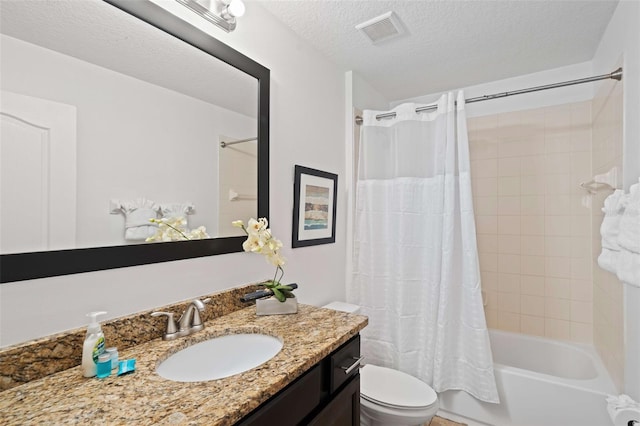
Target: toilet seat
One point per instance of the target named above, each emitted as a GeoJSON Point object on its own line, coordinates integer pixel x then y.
{"type": "Point", "coordinates": [395, 389]}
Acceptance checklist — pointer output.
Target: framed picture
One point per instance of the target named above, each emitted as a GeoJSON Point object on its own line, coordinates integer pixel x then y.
{"type": "Point", "coordinates": [314, 207]}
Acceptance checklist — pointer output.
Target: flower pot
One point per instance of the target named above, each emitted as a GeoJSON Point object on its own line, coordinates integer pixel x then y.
{"type": "Point", "coordinates": [272, 306]}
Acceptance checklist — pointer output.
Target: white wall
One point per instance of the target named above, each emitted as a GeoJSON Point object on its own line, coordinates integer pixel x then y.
{"type": "Point", "coordinates": [307, 128]}
{"type": "Point", "coordinates": [622, 40]}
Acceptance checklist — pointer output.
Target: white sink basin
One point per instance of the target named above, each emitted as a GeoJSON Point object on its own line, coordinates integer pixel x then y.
{"type": "Point", "coordinates": [219, 357]}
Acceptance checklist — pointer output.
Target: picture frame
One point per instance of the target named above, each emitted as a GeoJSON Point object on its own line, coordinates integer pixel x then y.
{"type": "Point", "coordinates": [314, 207]}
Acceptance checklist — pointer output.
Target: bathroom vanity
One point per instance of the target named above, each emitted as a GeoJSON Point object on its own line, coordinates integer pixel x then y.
{"type": "Point", "coordinates": [327, 394]}
{"type": "Point", "coordinates": [305, 383]}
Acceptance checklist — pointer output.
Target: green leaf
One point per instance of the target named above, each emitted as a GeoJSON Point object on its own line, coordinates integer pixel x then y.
{"type": "Point", "coordinates": [288, 294]}
{"type": "Point", "coordinates": [279, 294]}
{"type": "Point", "coordinates": [283, 287]}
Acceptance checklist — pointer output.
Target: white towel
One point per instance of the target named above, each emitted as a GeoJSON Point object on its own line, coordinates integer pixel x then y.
{"type": "Point", "coordinates": [613, 208]}
{"type": "Point", "coordinates": [629, 234]}
{"type": "Point", "coordinates": [628, 264]}
{"type": "Point", "coordinates": [628, 268]}
{"type": "Point", "coordinates": [137, 214]}
{"type": "Point", "coordinates": [175, 210]}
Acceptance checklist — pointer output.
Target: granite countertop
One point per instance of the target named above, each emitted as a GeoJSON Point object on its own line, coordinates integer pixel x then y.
{"type": "Point", "coordinates": [146, 398]}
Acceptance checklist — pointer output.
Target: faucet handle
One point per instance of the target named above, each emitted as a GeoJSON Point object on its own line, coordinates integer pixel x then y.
{"type": "Point", "coordinates": [172, 329]}
{"type": "Point", "coordinates": [196, 323]}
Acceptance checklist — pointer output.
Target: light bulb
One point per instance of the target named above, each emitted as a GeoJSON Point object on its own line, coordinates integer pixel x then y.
{"type": "Point", "coordinates": [236, 8]}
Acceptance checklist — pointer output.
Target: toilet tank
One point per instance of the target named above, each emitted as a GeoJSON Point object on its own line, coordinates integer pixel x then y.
{"type": "Point", "coordinates": [343, 306]}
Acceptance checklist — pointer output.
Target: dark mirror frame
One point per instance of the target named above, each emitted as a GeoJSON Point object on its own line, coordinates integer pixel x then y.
{"type": "Point", "coordinates": [26, 266]}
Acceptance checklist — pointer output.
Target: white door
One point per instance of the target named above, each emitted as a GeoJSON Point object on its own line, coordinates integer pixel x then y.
{"type": "Point", "coordinates": [37, 174]}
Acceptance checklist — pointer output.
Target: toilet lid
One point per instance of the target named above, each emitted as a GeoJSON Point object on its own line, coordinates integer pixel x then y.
{"type": "Point", "coordinates": [394, 388]}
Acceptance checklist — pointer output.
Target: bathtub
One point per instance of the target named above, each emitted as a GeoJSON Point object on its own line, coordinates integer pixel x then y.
{"type": "Point", "coordinates": [541, 382]}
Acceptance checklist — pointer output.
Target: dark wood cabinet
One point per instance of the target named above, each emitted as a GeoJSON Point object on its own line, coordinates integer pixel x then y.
{"type": "Point", "coordinates": [343, 409]}
{"type": "Point", "coordinates": [328, 394]}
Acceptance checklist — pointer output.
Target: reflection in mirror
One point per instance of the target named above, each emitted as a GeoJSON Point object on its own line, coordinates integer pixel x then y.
{"type": "Point", "coordinates": [112, 116]}
{"type": "Point", "coordinates": [108, 122]}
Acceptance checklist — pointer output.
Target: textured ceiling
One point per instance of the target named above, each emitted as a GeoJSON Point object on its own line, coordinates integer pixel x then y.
{"type": "Point", "coordinates": [449, 44]}
{"type": "Point", "coordinates": [101, 34]}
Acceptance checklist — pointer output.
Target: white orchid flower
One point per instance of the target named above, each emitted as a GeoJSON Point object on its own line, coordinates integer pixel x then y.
{"type": "Point", "coordinates": [260, 240]}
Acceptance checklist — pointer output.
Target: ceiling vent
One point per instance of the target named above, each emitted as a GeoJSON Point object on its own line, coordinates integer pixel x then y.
{"type": "Point", "coordinates": [382, 28]}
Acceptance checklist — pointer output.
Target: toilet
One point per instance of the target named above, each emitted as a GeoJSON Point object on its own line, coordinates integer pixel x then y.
{"type": "Point", "coordinates": [390, 397]}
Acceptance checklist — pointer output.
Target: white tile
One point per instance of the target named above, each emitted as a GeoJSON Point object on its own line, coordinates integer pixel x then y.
{"type": "Point", "coordinates": [509, 148]}
{"type": "Point", "coordinates": [509, 244]}
{"type": "Point", "coordinates": [532, 224]}
{"type": "Point", "coordinates": [485, 186]}
{"type": "Point", "coordinates": [557, 205]}
{"type": "Point", "coordinates": [509, 186]}
{"type": "Point", "coordinates": [508, 302]}
{"type": "Point", "coordinates": [491, 299]}
{"type": "Point", "coordinates": [558, 225]}
{"type": "Point", "coordinates": [491, 316]}
{"type": "Point", "coordinates": [581, 333]}
{"type": "Point", "coordinates": [486, 224]}
{"type": "Point", "coordinates": [532, 185]}
{"type": "Point", "coordinates": [532, 165]}
{"type": "Point", "coordinates": [484, 168]}
{"type": "Point", "coordinates": [532, 325]}
{"type": "Point", "coordinates": [487, 243]}
{"type": "Point", "coordinates": [509, 263]}
{"type": "Point", "coordinates": [509, 225]}
{"type": "Point", "coordinates": [558, 246]}
{"type": "Point", "coordinates": [581, 226]}
{"type": "Point", "coordinates": [581, 268]}
{"type": "Point", "coordinates": [509, 167]}
{"type": "Point", "coordinates": [489, 280]}
{"type": "Point", "coordinates": [509, 321]}
{"type": "Point", "coordinates": [508, 206]}
{"type": "Point", "coordinates": [532, 204]}
{"type": "Point", "coordinates": [509, 282]}
{"type": "Point", "coordinates": [532, 285]}
{"type": "Point", "coordinates": [558, 143]}
{"type": "Point", "coordinates": [557, 329]}
{"type": "Point", "coordinates": [557, 308]}
{"type": "Point", "coordinates": [559, 163]}
{"type": "Point", "coordinates": [532, 265]}
{"type": "Point", "coordinates": [485, 205]}
{"type": "Point", "coordinates": [483, 149]}
{"type": "Point", "coordinates": [581, 165]}
{"type": "Point", "coordinates": [532, 305]}
{"type": "Point", "coordinates": [558, 287]}
{"type": "Point", "coordinates": [532, 245]}
{"type": "Point", "coordinates": [582, 290]}
{"type": "Point", "coordinates": [488, 262]}
{"type": "Point", "coordinates": [582, 312]}
{"type": "Point", "coordinates": [559, 184]}
{"type": "Point", "coordinates": [559, 267]}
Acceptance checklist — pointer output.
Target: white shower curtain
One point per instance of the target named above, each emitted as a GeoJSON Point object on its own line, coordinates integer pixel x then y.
{"type": "Point", "coordinates": [416, 271]}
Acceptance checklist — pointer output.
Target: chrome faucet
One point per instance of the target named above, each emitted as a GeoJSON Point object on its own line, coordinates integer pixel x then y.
{"type": "Point", "coordinates": [189, 322]}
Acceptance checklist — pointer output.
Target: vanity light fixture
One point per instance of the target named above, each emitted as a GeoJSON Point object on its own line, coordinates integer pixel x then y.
{"type": "Point", "coordinates": [222, 13]}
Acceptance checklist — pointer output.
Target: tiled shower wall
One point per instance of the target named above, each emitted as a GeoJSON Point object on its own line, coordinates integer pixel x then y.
{"type": "Point", "coordinates": [533, 221]}
{"type": "Point", "coordinates": [607, 291]}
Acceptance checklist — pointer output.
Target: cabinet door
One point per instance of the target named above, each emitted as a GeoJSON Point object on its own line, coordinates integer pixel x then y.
{"type": "Point", "coordinates": [291, 405]}
{"type": "Point", "coordinates": [344, 409]}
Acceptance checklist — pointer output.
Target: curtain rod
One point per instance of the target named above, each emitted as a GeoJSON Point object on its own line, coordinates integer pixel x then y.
{"type": "Point", "coordinates": [615, 75]}
{"type": "Point", "coordinates": [224, 144]}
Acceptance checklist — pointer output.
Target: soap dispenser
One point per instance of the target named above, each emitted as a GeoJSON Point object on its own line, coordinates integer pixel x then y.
{"type": "Point", "coordinates": [93, 345]}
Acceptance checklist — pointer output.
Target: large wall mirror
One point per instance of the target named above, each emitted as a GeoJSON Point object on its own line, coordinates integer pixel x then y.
{"type": "Point", "coordinates": [114, 112]}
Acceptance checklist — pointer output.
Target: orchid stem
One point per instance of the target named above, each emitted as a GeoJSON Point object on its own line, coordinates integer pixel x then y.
{"type": "Point", "coordinates": [179, 231]}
